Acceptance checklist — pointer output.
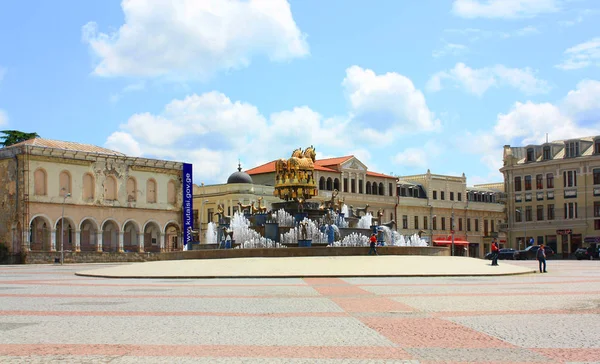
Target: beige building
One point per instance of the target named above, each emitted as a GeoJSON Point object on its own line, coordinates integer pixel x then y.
{"type": "Point", "coordinates": [428, 203]}
{"type": "Point", "coordinates": [110, 202]}
{"type": "Point", "coordinates": [553, 193]}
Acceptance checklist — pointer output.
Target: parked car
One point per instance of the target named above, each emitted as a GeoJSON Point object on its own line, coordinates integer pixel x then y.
{"type": "Point", "coordinates": [531, 252]}
{"type": "Point", "coordinates": [584, 253]}
{"type": "Point", "coordinates": [504, 253]}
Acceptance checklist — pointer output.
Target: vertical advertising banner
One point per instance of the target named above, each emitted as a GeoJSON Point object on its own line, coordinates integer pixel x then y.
{"type": "Point", "coordinates": [188, 201]}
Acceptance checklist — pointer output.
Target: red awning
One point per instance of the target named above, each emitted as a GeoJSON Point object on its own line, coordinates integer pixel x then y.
{"type": "Point", "coordinates": [449, 242]}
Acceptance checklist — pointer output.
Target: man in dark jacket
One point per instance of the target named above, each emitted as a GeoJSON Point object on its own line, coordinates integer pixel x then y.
{"type": "Point", "coordinates": [541, 257]}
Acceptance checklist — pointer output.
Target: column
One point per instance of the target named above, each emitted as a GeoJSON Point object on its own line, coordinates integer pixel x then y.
{"type": "Point", "coordinates": [120, 247]}
{"type": "Point", "coordinates": [140, 242]}
{"type": "Point", "coordinates": [26, 246]}
{"type": "Point", "coordinates": [99, 236]}
{"type": "Point", "coordinates": [53, 240]}
{"type": "Point", "coordinates": [161, 242]}
{"type": "Point", "coordinates": [77, 240]}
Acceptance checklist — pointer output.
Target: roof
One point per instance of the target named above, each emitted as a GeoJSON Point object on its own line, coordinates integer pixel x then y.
{"type": "Point", "coordinates": [58, 144]}
{"type": "Point", "coordinates": [319, 165]}
{"type": "Point", "coordinates": [375, 174]}
{"type": "Point", "coordinates": [269, 167]}
{"type": "Point", "coordinates": [333, 161]}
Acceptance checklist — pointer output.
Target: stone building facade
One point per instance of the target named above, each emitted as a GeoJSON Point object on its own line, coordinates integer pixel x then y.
{"type": "Point", "coordinates": [429, 203]}
{"type": "Point", "coordinates": [553, 194]}
{"type": "Point", "coordinates": [101, 200]}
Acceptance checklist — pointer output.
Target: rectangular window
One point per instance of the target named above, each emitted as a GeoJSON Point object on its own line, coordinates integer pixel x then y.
{"type": "Point", "coordinates": [404, 221]}
{"type": "Point", "coordinates": [539, 181]}
{"type": "Point", "coordinates": [550, 212]}
{"type": "Point", "coordinates": [352, 186]}
{"type": "Point", "coordinates": [540, 212]}
{"type": "Point", "coordinates": [459, 196]}
{"type": "Point", "coordinates": [518, 216]}
{"type": "Point", "coordinates": [209, 215]}
{"type": "Point", "coordinates": [596, 224]}
{"type": "Point", "coordinates": [476, 224]}
{"type": "Point", "coordinates": [485, 228]}
{"type": "Point", "coordinates": [425, 226]}
{"type": "Point", "coordinates": [596, 208]}
{"type": "Point", "coordinates": [345, 184]}
{"type": "Point", "coordinates": [572, 149]}
{"type": "Point", "coordinates": [597, 146]}
{"type": "Point", "coordinates": [530, 155]}
{"type": "Point", "coordinates": [443, 223]}
{"type": "Point", "coordinates": [416, 222]}
{"type": "Point", "coordinates": [546, 153]}
{"type": "Point", "coordinates": [435, 195]}
{"type": "Point", "coordinates": [451, 196]}
{"type": "Point", "coordinates": [442, 197]}
{"type": "Point", "coordinates": [492, 225]}
{"type": "Point", "coordinates": [527, 183]}
{"type": "Point", "coordinates": [434, 223]}
{"type": "Point", "coordinates": [570, 178]}
{"type": "Point", "coordinates": [390, 189]}
{"type": "Point", "coordinates": [570, 210]}
{"type": "Point", "coordinates": [360, 186]}
{"type": "Point", "coordinates": [460, 226]}
{"type": "Point", "coordinates": [517, 184]}
{"type": "Point", "coordinates": [549, 180]}
{"type": "Point", "coordinates": [468, 224]}
{"type": "Point", "coordinates": [597, 176]}
{"type": "Point", "coordinates": [528, 213]}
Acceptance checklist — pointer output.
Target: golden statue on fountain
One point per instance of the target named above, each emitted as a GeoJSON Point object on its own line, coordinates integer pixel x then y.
{"type": "Point", "coordinates": [294, 178]}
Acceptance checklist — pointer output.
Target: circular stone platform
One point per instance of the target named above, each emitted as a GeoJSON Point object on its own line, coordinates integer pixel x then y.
{"type": "Point", "coordinates": [334, 266]}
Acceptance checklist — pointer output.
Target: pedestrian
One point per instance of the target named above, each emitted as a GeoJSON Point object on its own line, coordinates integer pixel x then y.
{"type": "Point", "coordinates": [541, 257]}
{"type": "Point", "coordinates": [495, 252]}
{"type": "Point", "coordinates": [373, 242]}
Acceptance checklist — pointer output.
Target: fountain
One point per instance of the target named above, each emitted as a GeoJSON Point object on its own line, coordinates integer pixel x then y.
{"type": "Point", "coordinates": [211, 233]}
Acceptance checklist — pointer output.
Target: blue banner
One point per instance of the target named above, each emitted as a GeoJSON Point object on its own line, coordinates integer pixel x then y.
{"type": "Point", "coordinates": [188, 203]}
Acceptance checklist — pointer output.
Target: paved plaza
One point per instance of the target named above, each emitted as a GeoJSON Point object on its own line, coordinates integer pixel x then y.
{"type": "Point", "coordinates": [48, 314]}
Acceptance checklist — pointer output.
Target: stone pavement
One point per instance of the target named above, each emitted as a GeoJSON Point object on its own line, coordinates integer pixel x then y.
{"type": "Point", "coordinates": [300, 267]}
{"type": "Point", "coordinates": [49, 315]}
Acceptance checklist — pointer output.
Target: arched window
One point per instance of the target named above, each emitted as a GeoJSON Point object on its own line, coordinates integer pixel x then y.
{"type": "Point", "coordinates": [131, 190]}
{"type": "Point", "coordinates": [64, 183]}
{"type": "Point", "coordinates": [368, 188]}
{"type": "Point", "coordinates": [171, 193]}
{"type": "Point", "coordinates": [110, 188]}
{"type": "Point", "coordinates": [40, 182]}
{"type": "Point", "coordinates": [329, 184]}
{"type": "Point", "coordinates": [322, 183]}
{"type": "Point", "coordinates": [151, 191]}
{"type": "Point", "coordinates": [381, 192]}
{"type": "Point", "coordinates": [336, 184]}
{"type": "Point", "coordinates": [88, 186]}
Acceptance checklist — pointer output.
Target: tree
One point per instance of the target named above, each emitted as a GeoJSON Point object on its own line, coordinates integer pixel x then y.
{"type": "Point", "coordinates": [11, 137]}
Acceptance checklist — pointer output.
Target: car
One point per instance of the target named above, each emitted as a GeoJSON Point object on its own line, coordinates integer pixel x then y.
{"type": "Point", "coordinates": [583, 253]}
{"type": "Point", "coordinates": [504, 253]}
{"type": "Point", "coordinates": [531, 252]}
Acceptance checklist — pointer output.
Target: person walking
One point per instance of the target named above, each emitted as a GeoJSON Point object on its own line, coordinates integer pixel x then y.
{"type": "Point", "coordinates": [495, 252]}
{"type": "Point", "coordinates": [373, 242]}
{"type": "Point", "coordinates": [541, 257]}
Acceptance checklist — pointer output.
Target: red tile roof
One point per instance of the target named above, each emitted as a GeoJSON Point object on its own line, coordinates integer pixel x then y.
{"type": "Point", "coordinates": [332, 161]}
{"type": "Point", "coordinates": [375, 174]}
{"type": "Point", "coordinates": [58, 144]}
{"type": "Point", "coordinates": [270, 168]}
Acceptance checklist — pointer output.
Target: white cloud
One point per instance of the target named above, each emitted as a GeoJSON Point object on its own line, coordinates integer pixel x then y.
{"type": "Point", "coordinates": [451, 49]}
{"type": "Point", "coordinates": [388, 102]}
{"type": "Point", "coordinates": [194, 39]}
{"type": "Point", "coordinates": [584, 99]}
{"type": "Point", "coordinates": [411, 158]}
{"type": "Point", "coordinates": [478, 81]}
{"type": "Point", "coordinates": [582, 14]}
{"type": "Point", "coordinates": [124, 143]}
{"type": "Point", "coordinates": [508, 9]}
{"type": "Point", "coordinates": [582, 55]}
{"type": "Point", "coordinates": [134, 87]}
{"type": "Point", "coordinates": [3, 118]}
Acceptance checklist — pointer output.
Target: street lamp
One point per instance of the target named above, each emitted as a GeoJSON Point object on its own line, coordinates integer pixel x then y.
{"type": "Point", "coordinates": [201, 217]}
{"type": "Point", "coordinates": [524, 227]}
{"type": "Point", "coordinates": [62, 230]}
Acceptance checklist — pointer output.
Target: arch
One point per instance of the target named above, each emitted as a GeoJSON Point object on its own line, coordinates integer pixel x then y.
{"type": "Point", "coordinates": [68, 232]}
{"type": "Point", "coordinates": [151, 190]}
{"type": "Point", "coordinates": [329, 184]}
{"type": "Point", "coordinates": [40, 182]}
{"type": "Point", "coordinates": [381, 191]}
{"type": "Point", "coordinates": [64, 183]}
{"type": "Point", "coordinates": [151, 221]}
{"type": "Point", "coordinates": [131, 189]}
{"type": "Point", "coordinates": [40, 230]}
{"type": "Point", "coordinates": [89, 186]}
{"type": "Point", "coordinates": [368, 188]}
{"type": "Point", "coordinates": [152, 236]}
{"type": "Point", "coordinates": [171, 192]}
{"type": "Point", "coordinates": [110, 188]}
{"type": "Point", "coordinates": [131, 231]}
{"type": "Point", "coordinates": [110, 235]}
{"type": "Point", "coordinates": [336, 184]}
{"type": "Point", "coordinates": [88, 234]}
{"type": "Point", "coordinates": [172, 236]}
{"type": "Point", "coordinates": [322, 183]}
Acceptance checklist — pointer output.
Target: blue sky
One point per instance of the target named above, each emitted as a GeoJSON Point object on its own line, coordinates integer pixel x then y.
{"type": "Point", "coordinates": [405, 86]}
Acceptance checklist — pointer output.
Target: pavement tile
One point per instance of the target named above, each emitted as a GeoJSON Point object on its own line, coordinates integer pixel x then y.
{"type": "Point", "coordinates": [572, 355]}
{"type": "Point", "coordinates": [431, 332]}
{"type": "Point", "coordinates": [370, 304]}
{"type": "Point", "coordinates": [477, 355]}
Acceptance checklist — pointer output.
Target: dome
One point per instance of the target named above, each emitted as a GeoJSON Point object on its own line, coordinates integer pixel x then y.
{"type": "Point", "coordinates": [239, 177]}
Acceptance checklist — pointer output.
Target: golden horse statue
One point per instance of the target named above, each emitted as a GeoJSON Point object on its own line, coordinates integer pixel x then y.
{"type": "Point", "coordinates": [244, 207]}
{"type": "Point", "coordinates": [261, 209]}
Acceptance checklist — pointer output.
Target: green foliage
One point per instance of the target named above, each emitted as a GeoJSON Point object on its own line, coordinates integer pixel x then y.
{"type": "Point", "coordinates": [11, 137]}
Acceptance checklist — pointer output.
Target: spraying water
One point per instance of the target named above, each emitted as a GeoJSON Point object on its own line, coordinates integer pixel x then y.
{"type": "Point", "coordinates": [365, 221]}
{"type": "Point", "coordinates": [211, 233]}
